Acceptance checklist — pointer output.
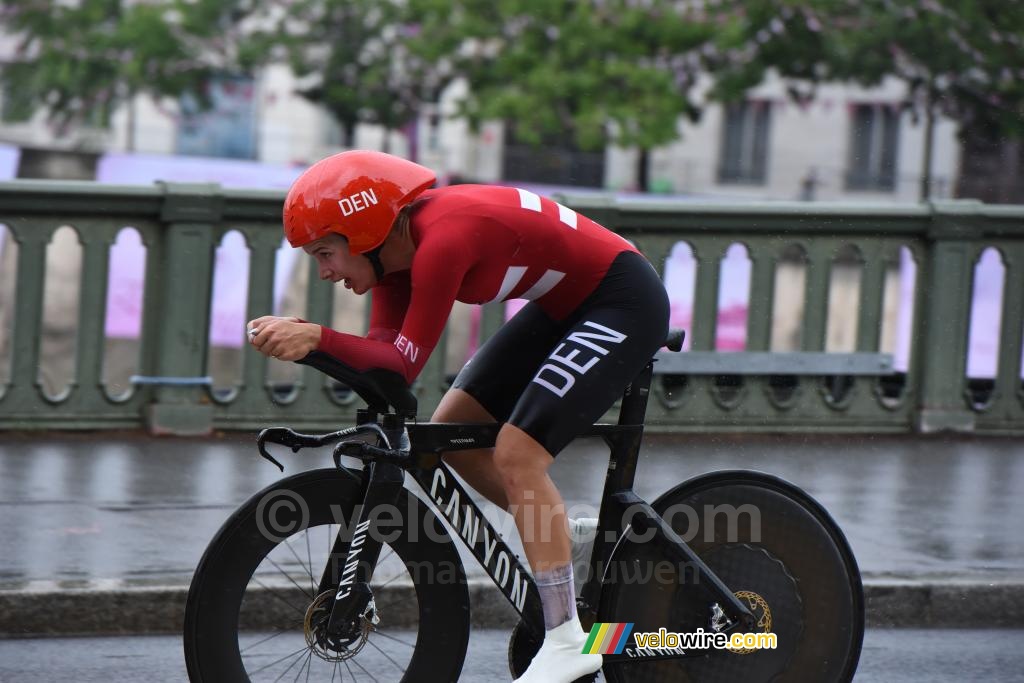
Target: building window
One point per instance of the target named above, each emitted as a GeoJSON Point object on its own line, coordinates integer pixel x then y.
{"type": "Point", "coordinates": [227, 127]}
{"type": "Point", "coordinates": [874, 147]}
{"type": "Point", "coordinates": [744, 156]}
{"type": "Point", "coordinates": [554, 162]}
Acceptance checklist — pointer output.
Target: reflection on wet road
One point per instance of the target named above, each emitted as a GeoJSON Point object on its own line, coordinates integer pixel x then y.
{"type": "Point", "coordinates": [127, 506]}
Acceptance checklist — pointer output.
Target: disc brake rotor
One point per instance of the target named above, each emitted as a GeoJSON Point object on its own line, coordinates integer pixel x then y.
{"type": "Point", "coordinates": [764, 585]}
{"type": "Point", "coordinates": [336, 648]}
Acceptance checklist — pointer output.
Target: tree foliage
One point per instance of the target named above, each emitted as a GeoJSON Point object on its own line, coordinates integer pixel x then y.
{"type": "Point", "coordinates": [351, 56]}
{"type": "Point", "coordinates": [79, 60]}
{"type": "Point", "coordinates": [964, 57]}
{"type": "Point", "coordinates": [590, 73]}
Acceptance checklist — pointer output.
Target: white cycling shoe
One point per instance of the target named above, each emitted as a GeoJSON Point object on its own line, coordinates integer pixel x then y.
{"type": "Point", "coordinates": [561, 659]}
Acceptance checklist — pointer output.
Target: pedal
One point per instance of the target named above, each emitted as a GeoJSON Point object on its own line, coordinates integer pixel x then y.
{"type": "Point", "coordinates": [719, 620]}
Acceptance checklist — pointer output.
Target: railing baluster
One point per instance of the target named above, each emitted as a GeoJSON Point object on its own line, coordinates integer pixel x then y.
{"type": "Point", "coordinates": [760, 313]}
{"type": "Point", "coordinates": [492, 317]}
{"type": "Point", "coordinates": [941, 337]}
{"type": "Point", "coordinates": [819, 266]}
{"type": "Point", "coordinates": [705, 298]}
{"type": "Point", "coordinates": [263, 244]}
{"type": "Point", "coordinates": [862, 400]}
{"type": "Point", "coordinates": [1006, 403]}
{"type": "Point", "coordinates": [96, 238]}
{"type": "Point", "coordinates": [152, 314]}
{"type": "Point", "coordinates": [319, 304]}
{"type": "Point", "coordinates": [32, 237]}
{"type": "Point", "coordinates": [657, 252]}
{"type": "Point", "coordinates": [190, 214]}
{"type": "Point", "coordinates": [762, 297]}
{"type": "Point", "coordinates": [872, 297]}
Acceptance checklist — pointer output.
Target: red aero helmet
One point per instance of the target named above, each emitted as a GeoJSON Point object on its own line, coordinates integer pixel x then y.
{"type": "Point", "coordinates": [357, 194]}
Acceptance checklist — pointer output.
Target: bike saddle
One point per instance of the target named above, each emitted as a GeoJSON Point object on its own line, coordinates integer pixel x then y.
{"type": "Point", "coordinates": [674, 340]}
{"type": "Point", "coordinates": [379, 388]}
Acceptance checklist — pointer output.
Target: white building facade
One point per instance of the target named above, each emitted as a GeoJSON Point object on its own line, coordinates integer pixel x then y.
{"type": "Point", "coordinates": [849, 143]}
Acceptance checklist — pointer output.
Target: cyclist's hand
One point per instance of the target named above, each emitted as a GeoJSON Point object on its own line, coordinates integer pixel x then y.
{"type": "Point", "coordinates": [283, 338]}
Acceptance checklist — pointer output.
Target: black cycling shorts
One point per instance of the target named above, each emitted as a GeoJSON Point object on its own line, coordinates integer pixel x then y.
{"type": "Point", "coordinates": [555, 379]}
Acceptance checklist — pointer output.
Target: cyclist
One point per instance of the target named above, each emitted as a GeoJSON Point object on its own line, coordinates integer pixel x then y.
{"type": "Point", "coordinates": [597, 312]}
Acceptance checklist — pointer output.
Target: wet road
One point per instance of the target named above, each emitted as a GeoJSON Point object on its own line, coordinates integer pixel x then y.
{"type": "Point", "coordinates": [904, 656]}
{"type": "Point", "coordinates": [124, 506]}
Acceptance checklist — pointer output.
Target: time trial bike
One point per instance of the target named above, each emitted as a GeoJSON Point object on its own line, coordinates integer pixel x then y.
{"type": "Point", "coordinates": [352, 572]}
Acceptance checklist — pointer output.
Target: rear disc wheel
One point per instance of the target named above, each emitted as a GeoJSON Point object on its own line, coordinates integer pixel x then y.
{"type": "Point", "coordinates": [777, 549]}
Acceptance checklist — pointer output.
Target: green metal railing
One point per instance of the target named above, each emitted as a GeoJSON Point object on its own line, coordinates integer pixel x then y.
{"type": "Point", "coordinates": [755, 390]}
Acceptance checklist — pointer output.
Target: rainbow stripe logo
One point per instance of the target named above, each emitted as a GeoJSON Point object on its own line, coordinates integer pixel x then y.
{"type": "Point", "coordinates": [607, 639]}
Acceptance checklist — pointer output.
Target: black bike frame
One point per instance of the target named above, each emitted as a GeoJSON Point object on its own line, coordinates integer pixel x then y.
{"type": "Point", "coordinates": [622, 513]}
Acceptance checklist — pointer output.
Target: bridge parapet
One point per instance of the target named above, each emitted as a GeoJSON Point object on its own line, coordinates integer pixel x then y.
{"type": "Point", "coordinates": [805, 384]}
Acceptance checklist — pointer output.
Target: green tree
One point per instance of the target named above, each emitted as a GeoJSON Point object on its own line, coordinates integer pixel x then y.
{"type": "Point", "coordinates": [78, 61]}
{"type": "Point", "coordinates": [594, 72]}
{"type": "Point", "coordinates": [961, 58]}
{"type": "Point", "coordinates": [354, 57]}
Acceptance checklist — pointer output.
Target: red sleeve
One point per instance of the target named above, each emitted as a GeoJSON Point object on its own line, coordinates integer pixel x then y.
{"type": "Point", "coordinates": [437, 272]}
{"type": "Point", "coordinates": [390, 299]}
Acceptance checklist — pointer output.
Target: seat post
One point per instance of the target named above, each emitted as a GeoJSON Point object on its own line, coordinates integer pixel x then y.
{"type": "Point", "coordinates": [634, 399]}
{"type": "Point", "coordinates": [624, 446]}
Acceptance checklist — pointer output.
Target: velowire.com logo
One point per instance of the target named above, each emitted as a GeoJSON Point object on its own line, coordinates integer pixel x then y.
{"type": "Point", "coordinates": [612, 639]}
{"type": "Point", "coordinates": [607, 639]}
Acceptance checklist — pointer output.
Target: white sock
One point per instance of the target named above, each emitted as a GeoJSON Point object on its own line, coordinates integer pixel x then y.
{"type": "Point", "coordinates": [557, 595]}
{"type": "Point", "coordinates": [561, 659]}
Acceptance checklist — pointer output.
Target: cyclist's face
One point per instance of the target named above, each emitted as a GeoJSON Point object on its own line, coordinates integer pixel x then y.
{"type": "Point", "coordinates": [337, 264]}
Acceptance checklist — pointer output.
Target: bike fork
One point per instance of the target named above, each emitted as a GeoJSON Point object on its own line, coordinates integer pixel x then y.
{"type": "Point", "coordinates": [358, 557]}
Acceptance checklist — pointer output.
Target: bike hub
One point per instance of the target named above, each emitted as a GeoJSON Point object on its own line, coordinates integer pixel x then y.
{"type": "Point", "coordinates": [344, 644]}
